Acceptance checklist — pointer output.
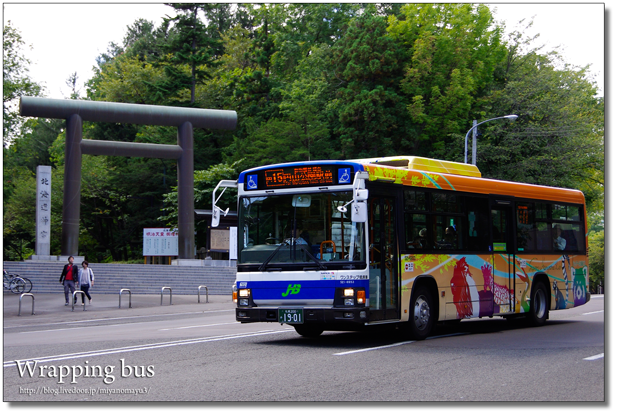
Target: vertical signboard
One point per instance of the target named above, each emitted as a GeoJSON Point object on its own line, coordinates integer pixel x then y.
{"type": "Point", "coordinates": [233, 244]}
{"type": "Point", "coordinates": [160, 242]}
{"type": "Point", "coordinates": [44, 210]}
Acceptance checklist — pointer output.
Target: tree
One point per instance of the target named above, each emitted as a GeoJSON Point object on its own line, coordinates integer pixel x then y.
{"type": "Point", "coordinates": [454, 50]}
{"type": "Point", "coordinates": [15, 81]}
{"type": "Point", "coordinates": [597, 261]}
{"type": "Point", "coordinates": [369, 115]}
{"type": "Point", "coordinates": [558, 138]}
{"type": "Point", "coordinates": [190, 54]}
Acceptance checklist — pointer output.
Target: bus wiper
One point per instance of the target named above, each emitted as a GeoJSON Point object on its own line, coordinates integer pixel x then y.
{"type": "Point", "coordinates": [314, 259]}
{"type": "Point", "coordinates": [271, 256]}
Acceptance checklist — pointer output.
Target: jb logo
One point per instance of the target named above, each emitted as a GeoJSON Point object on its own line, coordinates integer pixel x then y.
{"type": "Point", "coordinates": [292, 290]}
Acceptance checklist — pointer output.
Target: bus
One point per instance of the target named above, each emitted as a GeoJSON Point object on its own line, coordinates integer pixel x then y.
{"type": "Point", "coordinates": [404, 241]}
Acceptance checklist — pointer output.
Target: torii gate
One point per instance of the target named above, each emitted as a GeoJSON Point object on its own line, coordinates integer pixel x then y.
{"type": "Point", "coordinates": [76, 111]}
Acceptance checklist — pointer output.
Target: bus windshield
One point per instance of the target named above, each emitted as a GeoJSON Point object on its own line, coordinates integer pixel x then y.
{"type": "Point", "coordinates": [299, 231]}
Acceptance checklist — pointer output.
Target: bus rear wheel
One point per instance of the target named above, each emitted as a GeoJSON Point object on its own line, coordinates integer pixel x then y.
{"type": "Point", "coordinates": [539, 304]}
{"type": "Point", "coordinates": [421, 314]}
{"type": "Point", "coordinates": [309, 331]}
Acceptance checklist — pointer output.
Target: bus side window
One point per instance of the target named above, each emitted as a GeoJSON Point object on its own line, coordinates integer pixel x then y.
{"type": "Point", "coordinates": [543, 236]}
{"type": "Point", "coordinates": [526, 233]}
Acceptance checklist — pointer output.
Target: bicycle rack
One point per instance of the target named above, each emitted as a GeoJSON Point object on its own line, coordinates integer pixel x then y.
{"type": "Point", "coordinates": [74, 297]}
{"type": "Point", "coordinates": [162, 294]}
{"type": "Point", "coordinates": [119, 297]}
{"type": "Point", "coordinates": [19, 312]}
{"type": "Point", "coordinates": [206, 294]}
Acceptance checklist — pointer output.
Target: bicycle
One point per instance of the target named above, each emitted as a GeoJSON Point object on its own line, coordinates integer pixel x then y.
{"type": "Point", "coordinates": [15, 283]}
{"type": "Point", "coordinates": [27, 283]}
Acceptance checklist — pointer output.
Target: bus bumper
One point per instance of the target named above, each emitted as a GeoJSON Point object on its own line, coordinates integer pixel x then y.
{"type": "Point", "coordinates": [331, 316]}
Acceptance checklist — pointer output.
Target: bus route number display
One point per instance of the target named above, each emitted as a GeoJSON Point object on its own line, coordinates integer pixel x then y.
{"type": "Point", "coordinates": [297, 176]}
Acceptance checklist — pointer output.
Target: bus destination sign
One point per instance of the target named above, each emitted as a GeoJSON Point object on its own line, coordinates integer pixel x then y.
{"type": "Point", "coordinates": [299, 176]}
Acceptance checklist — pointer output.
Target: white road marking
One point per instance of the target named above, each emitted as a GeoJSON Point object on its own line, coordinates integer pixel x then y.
{"type": "Point", "coordinates": [141, 347]}
{"type": "Point", "coordinates": [456, 334]}
{"type": "Point", "coordinates": [374, 348]}
{"type": "Point", "coordinates": [198, 326]}
{"type": "Point", "coordinates": [118, 318]}
{"type": "Point", "coordinates": [590, 313]}
{"type": "Point", "coordinates": [595, 357]}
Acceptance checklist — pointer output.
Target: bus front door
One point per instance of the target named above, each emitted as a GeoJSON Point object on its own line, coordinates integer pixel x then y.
{"type": "Point", "coordinates": [504, 266]}
{"type": "Point", "coordinates": [383, 258]}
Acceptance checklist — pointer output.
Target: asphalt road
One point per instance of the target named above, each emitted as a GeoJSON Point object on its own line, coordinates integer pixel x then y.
{"type": "Point", "coordinates": [191, 351]}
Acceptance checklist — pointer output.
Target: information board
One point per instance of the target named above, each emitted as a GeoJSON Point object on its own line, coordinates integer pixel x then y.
{"type": "Point", "coordinates": [299, 176]}
{"type": "Point", "coordinates": [220, 239]}
{"type": "Point", "coordinates": [160, 242]}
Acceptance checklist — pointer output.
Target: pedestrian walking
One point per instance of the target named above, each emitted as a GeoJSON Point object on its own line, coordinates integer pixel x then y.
{"type": "Point", "coordinates": [87, 280]}
{"type": "Point", "coordinates": [68, 278]}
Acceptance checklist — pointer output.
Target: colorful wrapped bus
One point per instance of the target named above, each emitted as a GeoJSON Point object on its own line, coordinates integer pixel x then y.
{"type": "Point", "coordinates": [403, 240]}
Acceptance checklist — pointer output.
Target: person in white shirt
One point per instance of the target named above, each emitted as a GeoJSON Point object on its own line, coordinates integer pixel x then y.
{"type": "Point", "coordinates": [559, 243]}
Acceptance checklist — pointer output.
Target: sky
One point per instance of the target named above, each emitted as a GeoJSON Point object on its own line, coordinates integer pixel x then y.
{"type": "Point", "coordinates": [67, 38]}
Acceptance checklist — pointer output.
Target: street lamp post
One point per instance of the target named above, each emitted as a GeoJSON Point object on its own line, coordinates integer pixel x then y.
{"type": "Point", "coordinates": [511, 117]}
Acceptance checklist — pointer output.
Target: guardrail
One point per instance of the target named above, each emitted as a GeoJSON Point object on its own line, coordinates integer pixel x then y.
{"type": "Point", "coordinates": [19, 312]}
{"type": "Point", "coordinates": [74, 297]}
{"type": "Point", "coordinates": [206, 293]}
{"type": "Point", "coordinates": [162, 294]}
{"type": "Point", "coordinates": [120, 295]}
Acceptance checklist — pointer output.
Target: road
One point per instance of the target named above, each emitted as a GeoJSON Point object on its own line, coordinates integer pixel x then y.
{"type": "Point", "coordinates": [197, 352]}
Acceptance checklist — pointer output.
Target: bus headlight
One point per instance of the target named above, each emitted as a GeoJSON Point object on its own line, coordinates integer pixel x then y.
{"type": "Point", "coordinates": [244, 302]}
{"type": "Point", "coordinates": [349, 293]}
{"type": "Point", "coordinates": [244, 293]}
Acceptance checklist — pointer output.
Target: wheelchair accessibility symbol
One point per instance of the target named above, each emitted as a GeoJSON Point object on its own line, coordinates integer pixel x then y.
{"type": "Point", "coordinates": [252, 184]}
{"type": "Point", "coordinates": [344, 175]}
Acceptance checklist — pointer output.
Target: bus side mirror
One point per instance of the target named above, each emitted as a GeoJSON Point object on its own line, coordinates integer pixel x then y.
{"type": "Point", "coordinates": [359, 212]}
{"type": "Point", "coordinates": [361, 194]}
{"type": "Point", "coordinates": [215, 219]}
{"type": "Point", "coordinates": [215, 213]}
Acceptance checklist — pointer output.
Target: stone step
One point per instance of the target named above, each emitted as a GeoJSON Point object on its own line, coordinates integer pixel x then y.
{"type": "Point", "coordinates": [140, 279]}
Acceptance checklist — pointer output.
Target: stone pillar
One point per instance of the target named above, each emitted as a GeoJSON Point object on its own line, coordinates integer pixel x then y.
{"type": "Point", "coordinates": [73, 182]}
{"type": "Point", "coordinates": [44, 213]}
{"type": "Point", "coordinates": [185, 182]}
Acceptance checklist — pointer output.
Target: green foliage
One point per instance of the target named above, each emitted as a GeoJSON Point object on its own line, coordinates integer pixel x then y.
{"type": "Point", "coordinates": [370, 112]}
{"type": "Point", "coordinates": [596, 242]}
{"type": "Point", "coordinates": [205, 182]}
{"type": "Point", "coordinates": [454, 51]}
{"type": "Point", "coordinates": [19, 229]}
{"type": "Point", "coordinates": [15, 81]}
{"type": "Point", "coordinates": [308, 81]}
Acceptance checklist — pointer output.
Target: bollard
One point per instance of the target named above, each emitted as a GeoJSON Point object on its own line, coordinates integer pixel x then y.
{"type": "Point", "coordinates": [119, 297]}
{"type": "Point", "coordinates": [206, 294]}
{"type": "Point", "coordinates": [162, 294]}
{"type": "Point", "coordinates": [74, 297]}
{"type": "Point", "coordinates": [19, 312]}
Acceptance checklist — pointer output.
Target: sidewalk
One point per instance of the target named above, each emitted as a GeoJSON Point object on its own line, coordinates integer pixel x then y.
{"type": "Point", "coordinates": [50, 308]}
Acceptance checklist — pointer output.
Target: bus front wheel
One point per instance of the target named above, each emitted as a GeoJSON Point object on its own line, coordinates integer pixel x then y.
{"type": "Point", "coordinates": [309, 331]}
{"type": "Point", "coordinates": [421, 314]}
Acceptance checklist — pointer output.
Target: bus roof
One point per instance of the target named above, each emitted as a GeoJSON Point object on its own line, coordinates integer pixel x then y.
{"type": "Point", "coordinates": [454, 176]}
{"type": "Point", "coordinates": [439, 174]}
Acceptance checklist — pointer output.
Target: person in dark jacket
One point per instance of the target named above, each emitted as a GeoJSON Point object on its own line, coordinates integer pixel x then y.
{"type": "Point", "coordinates": [68, 278]}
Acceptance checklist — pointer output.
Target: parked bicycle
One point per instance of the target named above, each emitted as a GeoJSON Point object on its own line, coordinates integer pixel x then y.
{"type": "Point", "coordinates": [16, 284]}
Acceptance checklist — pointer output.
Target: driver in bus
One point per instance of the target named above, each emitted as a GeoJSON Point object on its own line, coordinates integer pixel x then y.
{"type": "Point", "coordinates": [299, 235]}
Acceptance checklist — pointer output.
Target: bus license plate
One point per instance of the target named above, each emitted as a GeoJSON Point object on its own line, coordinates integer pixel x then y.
{"type": "Point", "coordinates": [291, 316]}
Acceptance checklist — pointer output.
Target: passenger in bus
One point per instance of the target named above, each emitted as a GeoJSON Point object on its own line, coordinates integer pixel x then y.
{"type": "Point", "coordinates": [420, 241]}
{"type": "Point", "coordinates": [449, 239]}
{"type": "Point", "coordinates": [559, 243]}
